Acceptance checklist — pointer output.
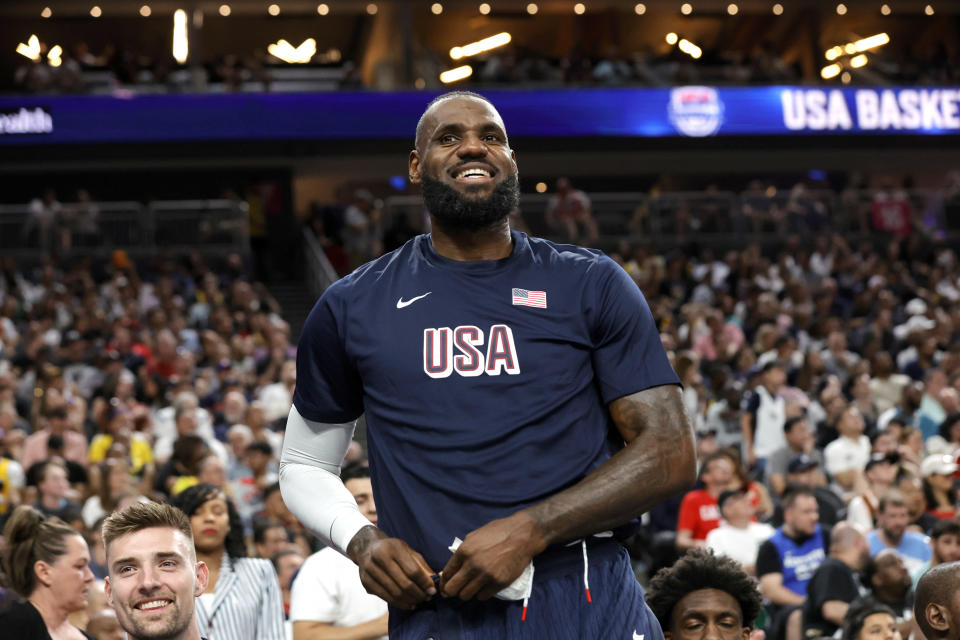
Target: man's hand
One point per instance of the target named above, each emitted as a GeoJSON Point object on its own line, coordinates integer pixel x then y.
{"type": "Point", "coordinates": [390, 569]}
{"type": "Point", "coordinates": [492, 557]}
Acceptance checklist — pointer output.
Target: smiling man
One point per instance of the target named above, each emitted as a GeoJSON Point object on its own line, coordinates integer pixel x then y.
{"type": "Point", "coordinates": [154, 573]}
{"type": "Point", "coordinates": [517, 399]}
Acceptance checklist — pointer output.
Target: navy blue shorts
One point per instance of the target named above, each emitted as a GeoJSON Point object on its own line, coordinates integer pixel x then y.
{"type": "Point", "coordinates": [558, 607]}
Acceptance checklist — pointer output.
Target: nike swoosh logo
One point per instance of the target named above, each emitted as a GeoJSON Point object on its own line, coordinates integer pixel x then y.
{"type": "Point", "coordinates": [401, 303]}
{"type": "Point", "coordinates": [637, 636]}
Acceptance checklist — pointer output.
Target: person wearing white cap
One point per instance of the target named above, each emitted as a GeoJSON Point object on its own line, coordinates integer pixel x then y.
{"type": "Point", "coordinates": [937, 471]}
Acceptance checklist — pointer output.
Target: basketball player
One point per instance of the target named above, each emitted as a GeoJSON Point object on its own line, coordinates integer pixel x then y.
{"type": "Point", "coordinates": [517, 398]}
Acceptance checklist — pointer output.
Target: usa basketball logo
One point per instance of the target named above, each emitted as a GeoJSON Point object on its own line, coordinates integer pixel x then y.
{"type": "Point", "coordinates": [695, 111]}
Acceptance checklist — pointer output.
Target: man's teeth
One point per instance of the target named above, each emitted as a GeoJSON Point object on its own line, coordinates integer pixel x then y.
{"type": "Point", "coordinates": [469, 173]}
{"type": "Point", "coordinates": [153, 604]}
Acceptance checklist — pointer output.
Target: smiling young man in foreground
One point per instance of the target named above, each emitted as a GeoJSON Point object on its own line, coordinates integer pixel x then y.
{"type": "Point", "coordinates": [154, 576]}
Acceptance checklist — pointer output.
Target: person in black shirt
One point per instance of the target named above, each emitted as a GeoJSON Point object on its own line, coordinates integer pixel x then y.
{"type": "Point", "coordinates": [888, 580]}
{"type": "Point", "coordinates": [46, 563]}
{"type": "Point", "coordinates": [835, 585]}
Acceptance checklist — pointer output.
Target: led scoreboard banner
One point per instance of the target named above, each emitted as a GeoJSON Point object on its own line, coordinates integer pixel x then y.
{"type": "Point", "coordinates": [692, 111]}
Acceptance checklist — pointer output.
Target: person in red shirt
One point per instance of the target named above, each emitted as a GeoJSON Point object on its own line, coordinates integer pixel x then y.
{"type": "Point", "coordinates": [699, 512]}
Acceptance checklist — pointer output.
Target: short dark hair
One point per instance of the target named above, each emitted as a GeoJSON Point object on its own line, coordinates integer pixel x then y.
{"type": "Point", "coordinates": [713, 457]}
{"type": "Point", "coordinates": [354, 470]}
{"type": "Point", "coordinates": [144, 515]}
{"type": "Point", "coordinates": [794, 491]}
{"type": "Point", "coordinates": [701, 569]}
{"type": "Point", "coordinates": [792, 421]}
{"type": "Point", "coordinates": [282, 554]}
{"type": "Point", "coordinates": [418, 140]}
{"type": "Point", "coordinates": [945, 528]}
{"type": "Point", "coordinates": [260, 445]}
{"type": "Point", "coordinates": [857, 615]}
{"type": "Point", "coordinates": [260, 528]}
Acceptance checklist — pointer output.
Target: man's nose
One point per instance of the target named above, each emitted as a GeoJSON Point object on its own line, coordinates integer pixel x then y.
{"type": "Point", "coordinates": [712, 632]}
{"type": "Point", "coordinates": [149, 579]}
{"type": "Point", "coordinates": [472, 146]}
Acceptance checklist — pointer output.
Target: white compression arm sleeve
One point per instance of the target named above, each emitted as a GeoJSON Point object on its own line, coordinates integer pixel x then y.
{"type": "Point", "coordinates": [310, 479]}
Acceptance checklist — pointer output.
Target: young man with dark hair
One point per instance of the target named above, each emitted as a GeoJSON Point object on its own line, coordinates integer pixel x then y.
{"type": "Point", "coordinates": [704, 596]}
{"type": "Point", "coordinates": [154, 573]}
{"type": "Point", "coordinates": [944, 547]}
{"type": "Point", "coordinates": [328, 593]}
{"type": "Point", "coordinates": [270, 538]}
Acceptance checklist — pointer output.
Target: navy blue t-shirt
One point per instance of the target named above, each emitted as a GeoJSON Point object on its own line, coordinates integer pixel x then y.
{"type": "Point", "coordinates": [485, 384]}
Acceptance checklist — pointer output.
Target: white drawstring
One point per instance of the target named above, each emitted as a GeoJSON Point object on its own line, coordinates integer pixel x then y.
{"type": "Point", "coordinates": [586, 570]}
{"type": "Point", "coordinates": [586, 579]}
{"type": "Point", "coordinates": [526, 596]}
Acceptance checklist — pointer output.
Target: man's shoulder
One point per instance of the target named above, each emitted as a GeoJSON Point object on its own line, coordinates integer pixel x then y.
{"type": "Point", "coordinates": [558, 253]}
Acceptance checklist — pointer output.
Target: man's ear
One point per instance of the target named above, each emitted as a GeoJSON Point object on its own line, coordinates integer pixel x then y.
{"type": "Point", "coordinates": [108, 591]}
{"type": "Point", "coordinates": [413, 166]}
{"type": "Point", "coordinates": [938, 617]}
{"type": "Point", "coordinates": [203, 578]}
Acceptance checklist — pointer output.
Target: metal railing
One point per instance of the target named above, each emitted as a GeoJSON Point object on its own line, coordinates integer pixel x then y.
{"type": "Point", "coordinates": [320, 273]}
{"type": "Point", "coordinates": [205, 226]}
{"type": "Point", "coordinates": [723, 219]}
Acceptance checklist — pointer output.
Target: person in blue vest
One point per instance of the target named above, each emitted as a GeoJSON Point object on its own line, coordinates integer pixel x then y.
{"type": "Point", "coordinates": [787, 561]}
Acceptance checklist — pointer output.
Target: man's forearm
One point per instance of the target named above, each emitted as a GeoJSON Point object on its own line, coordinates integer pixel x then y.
{"type": "Point", "coordinates": [779, 594]}
{"type": "Point", "coordinates": [658, 462]}
{"type": "Point", "coordinates": [835, 611]}
{"type": "Point", "coordinates": [308, 630]}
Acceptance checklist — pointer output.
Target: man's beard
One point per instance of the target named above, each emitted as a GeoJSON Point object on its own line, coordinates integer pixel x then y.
{"type": "Point", "coordinates": [455, 212]}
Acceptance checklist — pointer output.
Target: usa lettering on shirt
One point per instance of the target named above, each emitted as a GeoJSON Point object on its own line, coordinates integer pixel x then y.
{"type": "Point", "coordinates": [500, 355]}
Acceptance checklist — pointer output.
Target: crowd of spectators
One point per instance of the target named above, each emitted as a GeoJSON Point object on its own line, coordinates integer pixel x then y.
{"type": "Point", "coordinates": [124, 382]}
{"type": "Point", "coordinates": [823, 380]}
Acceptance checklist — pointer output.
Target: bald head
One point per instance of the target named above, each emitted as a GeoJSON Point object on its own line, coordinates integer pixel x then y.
{"type": "Point", "coordinates": [843, 537]}
{"type": "Point", "coordinates": [427, 122]}
{"type": "Point", "coordinates": [937, 604]}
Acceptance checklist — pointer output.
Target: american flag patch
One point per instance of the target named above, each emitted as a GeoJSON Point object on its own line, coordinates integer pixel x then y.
{"type": "Point", "coordinates": [527, 298]}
